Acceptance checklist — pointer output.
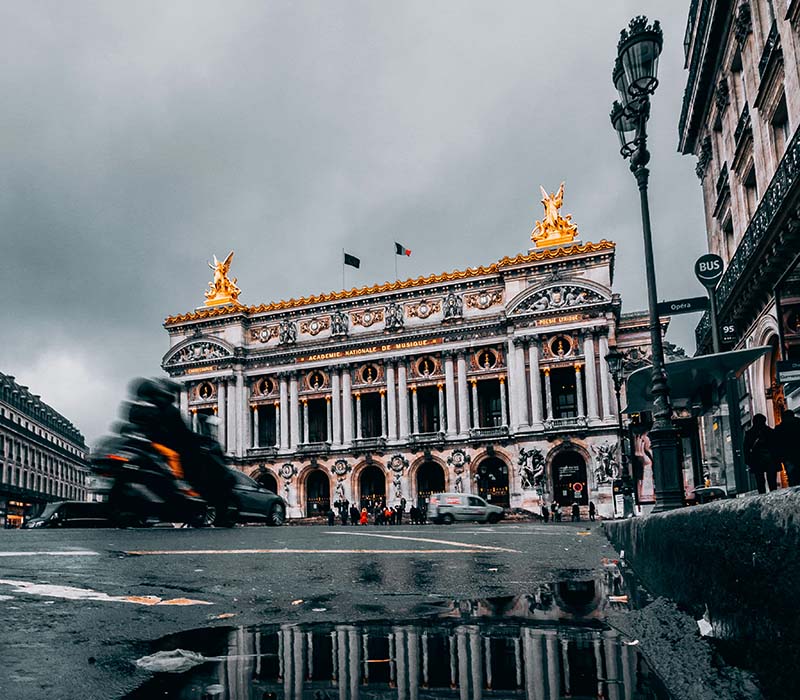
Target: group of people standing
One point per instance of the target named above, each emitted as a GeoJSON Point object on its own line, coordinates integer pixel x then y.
{"type": "Point", "coordinates": [768, 450]}
{"type": "Point", "coordinates": [376, 513]}
{"type": "Point", "coordinates": [554, 512]}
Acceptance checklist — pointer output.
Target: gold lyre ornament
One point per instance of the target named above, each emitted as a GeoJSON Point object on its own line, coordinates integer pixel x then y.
{"type": "Point", "coordinates": [221, 289]}
{"type": "Point", "coordinates": [554, 229]}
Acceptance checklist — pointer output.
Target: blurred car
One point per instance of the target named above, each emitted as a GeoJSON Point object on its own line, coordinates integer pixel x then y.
{"type": "Point", "coordinates": [73, 514]}
{"type": "Point", "coordinates": [249, 502]}
{"type": "Point", "coordinates": [448, 507]}
{"type": "Point", "coordinates": [706, 494]}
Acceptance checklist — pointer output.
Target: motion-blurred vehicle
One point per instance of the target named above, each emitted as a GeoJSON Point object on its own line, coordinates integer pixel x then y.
{"type": "Point", "coordinates": [251, 502]}
{"type": "Point", "coordinates": [446, 508]}
{"type": "Point", "coordinates": [73, 514]}
{"type": "Point", "coordinates": [707, 494]}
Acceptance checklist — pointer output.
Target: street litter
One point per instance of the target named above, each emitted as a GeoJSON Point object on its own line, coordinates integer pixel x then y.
{"type": "Point", "coordinates": [617, 599]}
{"type": "Point", "coordinates": [494, 568]}
{"type": "Point", "coordinates": [705, 627]}
{"type": "Point", "coordinates": [175, 661]}
{"type": "Point", "coordinates": [297, 602]}
{"type": "Point", "coordinates": [318, 609]}
{"type": "Point", "coordinates": [222, 616]}
{"type": "Point", "coordinates": [634, 643]}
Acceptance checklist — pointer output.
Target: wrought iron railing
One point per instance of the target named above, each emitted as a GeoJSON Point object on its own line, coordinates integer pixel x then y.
{"type": "Point", "coordinates": [744, 126]}
{"type": "Point", "coordinates": [772, 47]}
{"type": "Point", "coordinates": [563, 423]}
{"type": "Point", "coordinates": [494, 431]}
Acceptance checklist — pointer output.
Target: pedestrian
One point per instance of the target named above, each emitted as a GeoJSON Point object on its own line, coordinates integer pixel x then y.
{"type": "Point", "coordinates": [343, 513]}
{"type": "Point", "coordinates": [761, 453]}
{"type": "Point", "coordinates": [331, 517]}
{"type": "Point", "coordinates": [363, 518]}
{"type": "Point", "coordinates": [592, 511]}
{"type": "Point", "coordinates": [787, 439]}
{"type": "Point", "coordinates": [353, 515]}
{"type": "Point", "coordinates": [545, 513]}
{"type": "Point", "coordinates": [400, 510]}
{"type": "Point", "coordinates": [555, 510]}
{"type": "Point", "coordinates": [576, 512]}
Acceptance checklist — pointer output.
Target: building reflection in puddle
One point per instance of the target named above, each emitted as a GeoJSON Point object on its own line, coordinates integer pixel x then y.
{"type": "Point", "coordinates": [543, 646]}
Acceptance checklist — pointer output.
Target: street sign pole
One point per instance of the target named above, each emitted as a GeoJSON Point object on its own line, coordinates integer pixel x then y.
{"type": "Point", "coordinates": [712, 297]}
{"type": "Point", "coordinates": [709, 269]}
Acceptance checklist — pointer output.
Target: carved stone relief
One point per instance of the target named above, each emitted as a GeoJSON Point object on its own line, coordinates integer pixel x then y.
{"type": "Point", "coordinates": [366, 318]}
{"type": "Point", "coordinates": [264, 334]}
{"type": "Point", "coordinates": [558, 298]}
{"type": "Point", "coordinates": [199, 351]}
{"type": "Point", "coordinates": [485, 299]}
{"type": "Point", "coordinates": [315, 325]}
{"type": "Point", "coordinates": [423, 309]}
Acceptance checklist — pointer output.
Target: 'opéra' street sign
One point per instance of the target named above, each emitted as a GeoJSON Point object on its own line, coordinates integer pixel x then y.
{"type": "Point", "coordinates": [709, 269]}
{"type": "Point", "coordinates": [682, 306]}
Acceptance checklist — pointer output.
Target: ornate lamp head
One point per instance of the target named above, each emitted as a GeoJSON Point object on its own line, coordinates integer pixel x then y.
{"type": "Point", "coordinates": [614, 359]}
{"type": "Point", "coordinates": [638, 50]}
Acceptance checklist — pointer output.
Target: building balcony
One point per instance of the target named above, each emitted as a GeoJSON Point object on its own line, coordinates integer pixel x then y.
{"type": "Point", "coordinates": [566, 424]}
{"type": "Point", "coordinates": [494, 432]}
{"type": "Point", "coordinates": [420, 439]}
{"type": "Point", "coordinates": [263, 451]}
{"type": "Point", "coordinates": [772, 49]}
{"type": "Point", "coordinates": [744, 126]}
{"type": "Point", "coordinates": [313, 448]}
{"type": "Point", "coordinates": [369, 444]}
{"type": "Point", "coordinates": [769, 241]}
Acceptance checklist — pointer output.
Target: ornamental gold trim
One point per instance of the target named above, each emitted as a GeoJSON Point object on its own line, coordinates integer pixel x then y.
{"type": "Point", "coordinates": [520, 259]}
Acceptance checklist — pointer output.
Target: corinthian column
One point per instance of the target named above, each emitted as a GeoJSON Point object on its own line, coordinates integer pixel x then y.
{"type": "Point", "coordinates": [184, 403]}
{"type": "Point", "coordinates": [513, 408]}
{"type": "Point", "coordinates": [347, 407]}
{"type": "Point", "coordinates": [475, 412]}
{"type": "Point", "coordinates": [591, 380]}
{"type": "Point", "coordinates": [243, 415]}
{"type": "Point", "coordinates": [463, 396]}
{"type": "Point", "coordinates": [383, 412]}
{"type": "Point", "coordinates": [391, 400]}
{"type": "Point", "coordinates": [450, 394]}
{"type": "Point", "coordinates": [414, 410]}
{"type": "Point", "coordinates": [358, 416]}
{"type": "Point", "coordinates": [402, 395]}
{"type": "Point", "coordinates": [579, 391]}
{"type": "Point", "coordinates": [294, 438]}
{"type": "Point", "coordinates": [280, 430]}
{"type": "Point", "coordinates": [548, 394]}
{"type": "Point", "coordinates": [518, 383]}
{"type": "Point", "coordinates": [440, 387]}
{"type": "Point", "coordinates": [222, 414]}
{"type": "Point", "coordinates": [504, 414]}
{"type": "Point", "coordinates": [305, 421]}
{"type": "Point", "coordinates": [605, 382]}
{"type": "Point", "coordinates": [255, 427]}
{"type": "Point", "coordinates": [336, 400]}
{"type": "Point", "coordinates": [536, 384]}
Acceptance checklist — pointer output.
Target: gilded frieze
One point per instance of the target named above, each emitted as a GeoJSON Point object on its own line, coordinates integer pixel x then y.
{"type": "Point", "coordinates": [423, 309]}
{"type": "Point", "coordinates": [485, 299]}
{"type": "Point", "coordinates": [366, 318]}
{"type": "Point", "coordinates": [315, 325]}
{"type": "Point", "coordinates": [264, 334]}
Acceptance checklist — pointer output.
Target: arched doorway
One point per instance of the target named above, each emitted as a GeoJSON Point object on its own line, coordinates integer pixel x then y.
{"type": "Point", "coordinates": [372, 487]}
{"type": "Point", "coordinates": [492, 480]}
{"type": "Point", "coordinates": [318, 493]}
{"type": "Point", "coordinates": [430, 479]}
{"type": "Point", "coordinates": [569, 479]}
{"type": "Point", "coordinates": [268, 481]}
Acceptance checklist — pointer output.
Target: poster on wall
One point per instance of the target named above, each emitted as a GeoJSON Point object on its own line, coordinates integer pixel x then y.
{"type": "Point", "coordinates": [643, 471]}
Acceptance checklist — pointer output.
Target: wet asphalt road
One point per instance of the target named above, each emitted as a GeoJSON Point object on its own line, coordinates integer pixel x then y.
{"type": "Point", "coordinates": [60, 642]}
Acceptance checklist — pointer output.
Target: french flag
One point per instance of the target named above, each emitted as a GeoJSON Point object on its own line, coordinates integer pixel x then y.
{"type": "Point", "coordinates": [401, 249]}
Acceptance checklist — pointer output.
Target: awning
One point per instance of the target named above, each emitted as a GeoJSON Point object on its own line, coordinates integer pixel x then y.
{"type": "Point", "coordinates": [687, 378]}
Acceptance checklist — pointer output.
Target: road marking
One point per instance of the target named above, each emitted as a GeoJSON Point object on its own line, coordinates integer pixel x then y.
{"type": "Point", "coordinates": [484, 547]}
{"type": "Point", "coordinates": [71, 593]}
{"type": "Point", "coordinates": [69, 553]}
{"type": "Point", "coordinates": [473, 549]}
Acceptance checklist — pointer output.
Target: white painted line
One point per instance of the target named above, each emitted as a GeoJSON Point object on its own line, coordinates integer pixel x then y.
{"type": "Point", "coordinates": [70, 593]}
{"type": "Point", "coordinates": [484, 547]}
{"type": "Point", "coordinates": [67, 553]}
{"type": "Point", "coordinates": [473, 549]}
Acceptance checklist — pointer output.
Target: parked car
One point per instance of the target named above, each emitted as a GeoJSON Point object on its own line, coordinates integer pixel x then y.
{"type": "Point", "coordinates": [73, 514]}
{"type": "Point", "coordinates": [448, 507]}
{"type": "Point", "coordinates": [249, 502]}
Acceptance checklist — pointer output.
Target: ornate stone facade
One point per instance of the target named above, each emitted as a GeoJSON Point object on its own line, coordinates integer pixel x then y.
{"type": "Point", "coordinates": [490, 380]}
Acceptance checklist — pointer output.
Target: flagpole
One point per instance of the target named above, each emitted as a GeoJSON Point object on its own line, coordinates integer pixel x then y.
{"type": "Point", "coordinates": [396, 277]}
{"type": "Point", "coordinates": [342, 269]}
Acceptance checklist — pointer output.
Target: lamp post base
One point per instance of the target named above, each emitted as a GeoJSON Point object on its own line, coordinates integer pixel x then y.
{"type": "Point", "coordinates": [667, 472]}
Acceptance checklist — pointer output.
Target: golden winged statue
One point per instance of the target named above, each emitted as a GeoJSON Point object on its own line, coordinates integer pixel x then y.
{"type": "Point", "coordinates": [222, 290]}
{"type": "Point", "coordinates": [554, 229]}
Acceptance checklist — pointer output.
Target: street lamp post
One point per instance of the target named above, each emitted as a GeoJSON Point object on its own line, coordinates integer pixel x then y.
{"type": "Point", "coordinates": [614, 360]}
{"type": "Point", "coordinates": [634, 77]}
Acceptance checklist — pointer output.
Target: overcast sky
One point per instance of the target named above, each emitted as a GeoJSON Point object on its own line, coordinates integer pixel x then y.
{"type": "Point", "coordinates": [141, 138]}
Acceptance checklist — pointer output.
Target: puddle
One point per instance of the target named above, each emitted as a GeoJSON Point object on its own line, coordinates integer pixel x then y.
{"type": "Point", "coordinates": [552, 643]}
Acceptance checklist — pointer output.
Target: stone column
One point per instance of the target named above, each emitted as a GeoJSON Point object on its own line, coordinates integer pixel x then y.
{"type": "Point", "coordinates": [391, 399]}
{"type": "Point", "coordinates": [233, 414]}
{"type": "Point", "coordinates": [414, 411]}
{"type": "Point", "coordinates": [183, 400]}
{"type": "Point", "coordinates": [195, 420]}
{"type": "Point", "coordinates": [552, 656]}
{"type": "Point", "coordinates": [402, 395]}
{"type": "Point", "coordinates": [548, 394]}
{"type": "Point", "coordinates": [294, 407]}
{"type": "Point", "coordinates": [536, 384]}
{"type": "Point", "coordinates": [280, 429]}
{"type": "Point", "coordinates": [358, 416]}
{"type": "Point", "coordinates": [243, 414]}
{"type": "Point", "coordinates": [519, 384]}
{"type": "Point", "coordinates": [605, 382]}
{"type": "Point", "coordinates": [336, 400]}
{"type": "Point", "coordinates": [383, 412]}
{"type": "Point", "coordinates": [347, 407]}
{"type": "Point", "coordinates": [440, 387]}
{"type": "Point", "coordinates": [255, 427]}
{"type": "Point", "coordinates": [328, 421]}
{"type": "Point", "coordinates": [305, 421]}
{"type": "Point", "coordinates": [579, 390]}
{"type": "Point", "coordinates": [504, 413]}
{"type": "Point", "coordinates": [475, 412]}
{"type": "Point", "coordinates": [222, 414]}
{"type": "Point", "coordinates": [450, 393]}
{"type": "Point", "coordinates": [463, 396]}
{"type": "Point", "coordinates": [591, 380]}
{"type": "Point", "coordinates": [513, 408]}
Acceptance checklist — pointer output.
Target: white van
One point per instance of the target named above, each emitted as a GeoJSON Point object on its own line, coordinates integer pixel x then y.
{"type": "Point", "coordinates": [448, 507]}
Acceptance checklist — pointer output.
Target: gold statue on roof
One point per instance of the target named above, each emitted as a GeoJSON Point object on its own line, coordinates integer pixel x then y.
{"type": "Point", "coordinates": [222, 290]}
{"type": "Point", "coordinates": [554, 229]}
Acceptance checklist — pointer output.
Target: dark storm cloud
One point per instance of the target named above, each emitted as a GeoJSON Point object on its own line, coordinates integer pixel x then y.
{"type": "Point", "coordinates": [139, 139]}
